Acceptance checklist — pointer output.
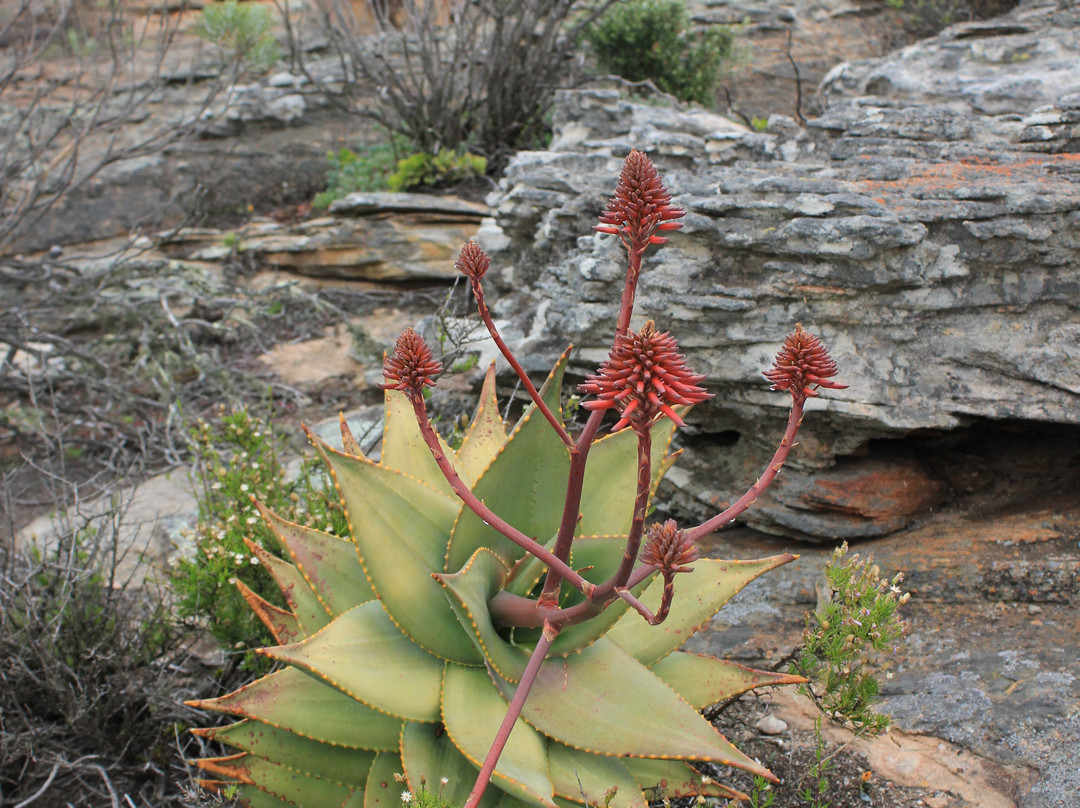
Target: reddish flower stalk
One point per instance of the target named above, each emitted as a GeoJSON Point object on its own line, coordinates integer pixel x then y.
{"type": "Point", "coordinates": [644, 377]}
{"type": "Point", "coordinates": [640, 207]}
{"type": "Point", "coordinates": [637, 524]}
{"type": "Point", "coordinates": [473, 262]}
{"type": "Point", "coordinates": [521, 693]}
{"type": "Point", "coordinates": [802, 365]}
{"type": "Point", "coordinates": [739, 507]}
{"type": "Point", "coordinates": [488, 516]}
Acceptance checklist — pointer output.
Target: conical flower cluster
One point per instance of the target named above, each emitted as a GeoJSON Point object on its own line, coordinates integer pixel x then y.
{"type": "Point", "coordinates": [668, 548]}
{"type": "Point", "coordinates": [641, 206]}
{"type": "Point", "coordinates": [644, 377]}
{"type": "Point", "coordinates": [412, 366]}
{"type": "Point", "coordinates": [472, 261]}
{"type": "Point", "coordinates": [802, 365]}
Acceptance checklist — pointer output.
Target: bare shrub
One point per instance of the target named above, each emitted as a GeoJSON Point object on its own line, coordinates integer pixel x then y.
{"type": "Point", "coordinates": [76, 80]}
{"type": "Point", "coordinates": [450, 73]}
{"type": "Point", "coordinates": [90, 670]}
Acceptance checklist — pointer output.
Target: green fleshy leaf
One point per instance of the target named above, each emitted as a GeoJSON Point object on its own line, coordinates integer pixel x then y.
{"type": "Point", "coordinates": [401, 543]}
{"type": "Point", "coordinates": [427, 751]}
{"type": "Point", "coordinates": [586, 778]}
{"type": "Point", "coordinates": [469, 592]}
{"type": "Point", "coordinates": [362, 653]}
{"type": "Point", "coordinates": [603, 701]}
{"type": "Point", "coordinates": [338, 764]}
{"type": "Point", "coordinates": [703, 680]}
{"type": "Point", "coordinates": [610, 485]}
{"type": "Point", "coordinates": [525, 484]}
{"type": "Point", "coordinates": [283, 624]}
{"type": "Point", "coordinates": [310, 614]}
{"type": "Point", "coordinates": [472, 712]}
{"type": "Point", "coordinates": [329, 564]}
{"type": "Point", "coordinates": [299, 789]}
{"type": "Point", "coordinates": [253, 798]}
{"type": "Point", "coordinates": [404, 449]}
{"type": "Point", "coordinates": [485, 435]}
{"type": "Point", "coordinates": [673, 779]}
{"type": "Point", "coordinates": [290, 699]}
{"type": "Point", "coordinates": [527, 571]}
{"type": "Point", "coordinates": [698, 596]}
{"type": "Point", "coordinates": [382, 790]}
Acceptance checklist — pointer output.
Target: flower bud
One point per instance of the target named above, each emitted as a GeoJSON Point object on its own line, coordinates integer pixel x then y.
{"type": "Point", "coordinates": [472, 261]}
{"type": "Point", "coordinates": [667, 548]}
{"type": "Point", "coordinates": [644, 377]}
{"type": "Point", "coordinates": [802, 365]}
{"type": "Point", "coordinates": [640, 207]}
{"type": "Point", "coordinates": [411, 366]}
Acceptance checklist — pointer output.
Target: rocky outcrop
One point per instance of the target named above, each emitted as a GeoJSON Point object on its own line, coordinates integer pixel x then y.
{"type": "Point", "coordinates": [1013, 64]}
{"type": "Point", "coordinates": [934, 247]}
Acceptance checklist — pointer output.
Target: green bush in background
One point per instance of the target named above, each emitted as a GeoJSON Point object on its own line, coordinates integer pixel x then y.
{"type": "Point", "coordinates": [245, 31]}
{"type": "Point", "coordinates": [352, 171]}
{"type": "Point", "coordinates": [378, 168]}
{"type": "Point", "coordinates": [448, 167]}
{"type": "Point", "coordinates": [649, 40]}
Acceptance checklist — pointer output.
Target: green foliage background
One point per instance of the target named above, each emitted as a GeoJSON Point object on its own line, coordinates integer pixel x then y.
{"type": "Point", "coordinates": [649, 40]}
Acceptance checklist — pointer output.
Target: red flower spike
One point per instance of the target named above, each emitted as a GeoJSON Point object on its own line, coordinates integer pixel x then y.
{"type": "Point", "coordinates": [472, 261]}
{"type": "Point", "coordinates": [640, 207]}
{"type": "Point", "coordinates": [802, 365]}
{"type": "Point", "coordinates": [668, 549]}
{"type": "Point", "coordinates": [644, 377]}
{"type": "Point", "coordinates": [411, 366]}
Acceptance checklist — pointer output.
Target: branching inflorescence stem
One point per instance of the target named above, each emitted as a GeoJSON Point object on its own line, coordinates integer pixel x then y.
{"type": "Point", "coordinates": [644, 378]}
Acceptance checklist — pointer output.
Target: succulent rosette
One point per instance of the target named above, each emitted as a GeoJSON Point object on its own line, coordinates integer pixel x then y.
{"type": "Point", "coordinates": [392, 662]}
{"type": "Point", "coordinates": [489, 622]}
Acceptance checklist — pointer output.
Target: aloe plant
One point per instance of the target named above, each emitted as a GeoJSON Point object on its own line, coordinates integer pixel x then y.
{"type": "Point", "coordinates": [500, 618]}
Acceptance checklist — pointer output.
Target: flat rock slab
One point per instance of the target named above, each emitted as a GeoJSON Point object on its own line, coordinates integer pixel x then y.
{"type": "Point", "coordinates": [367, 237]}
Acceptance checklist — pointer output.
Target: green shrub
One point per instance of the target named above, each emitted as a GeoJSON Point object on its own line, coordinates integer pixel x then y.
{"type": "Point", "coordinates": [856, 623]}
{"type": "Point", "coordinates": [364, 170]}
{"type": "Point", "coordinates": [446, 168]}
{"type": "Point", "coordinates": [648, 40]}
{"type": "Point", "coordinates": [244, 30]}
{"type": "Point", "coordinates": [236, 459]}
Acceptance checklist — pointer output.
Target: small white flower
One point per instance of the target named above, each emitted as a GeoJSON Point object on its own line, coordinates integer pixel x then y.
{"type": "Point", "coordinates": [406, 797]}
{"type": "Point", "coordinates": [255, 561]}
{"type": "Point", "coordinates": [444, 780]}
{"type": "Point", "coordinates": [243, 486]}
{"type": "Point", "coordinates": [252, 520]}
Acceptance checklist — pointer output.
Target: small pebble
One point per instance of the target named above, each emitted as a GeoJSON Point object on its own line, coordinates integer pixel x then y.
{"type": "Point", "coordinates": [936, 801]}
{"type": "Point", "coordinates": [771, 725]}
{"type": "Point", "coordinates": [1033, 609]}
